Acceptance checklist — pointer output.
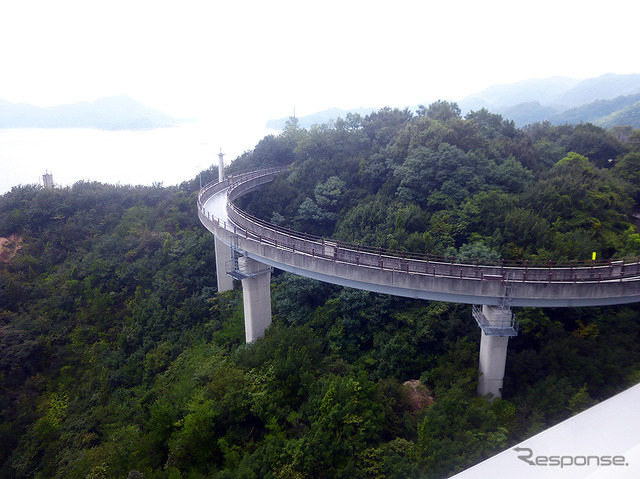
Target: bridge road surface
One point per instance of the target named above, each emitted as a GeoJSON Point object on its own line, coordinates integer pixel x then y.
{"type": "Point", "coordinates": [594, 284]}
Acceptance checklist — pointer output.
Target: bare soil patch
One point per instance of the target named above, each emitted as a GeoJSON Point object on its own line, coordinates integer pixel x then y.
{"type": "Point", "coordinates": [417, 394]}
{"type": "Point", "coordinates": [9, 247]}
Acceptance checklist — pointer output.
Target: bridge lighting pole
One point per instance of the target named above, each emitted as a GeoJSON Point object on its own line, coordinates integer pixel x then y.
{"type": "Point", "coordinates": [220, 166]}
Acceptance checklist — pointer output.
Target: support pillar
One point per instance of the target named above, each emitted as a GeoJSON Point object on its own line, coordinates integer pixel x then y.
{"type": "Point", "coordinates": [256, 292]}
{"type": "Point", "coordinates": [223, 255]}
{"type": "Point", "coordinates": [493, 352]}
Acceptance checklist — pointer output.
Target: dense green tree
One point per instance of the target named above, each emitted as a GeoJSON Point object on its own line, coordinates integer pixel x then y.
{"type": "Point", "coordinates": [448, 169]}
{"type": "Point", "coordinates": [628, 168]}
{"type": "Point", "coordinates": [441, 111]}
{"type": "Point", "coordinates": [492, 125]}
{"type": "Point", "coordinates": [594, 142]}
{"type": "Point", "coordinates": [577, 196]}
{"type": "Point", "coordinates": [119, 359]}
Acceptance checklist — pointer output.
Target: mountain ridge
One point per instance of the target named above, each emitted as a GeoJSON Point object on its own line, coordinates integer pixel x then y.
{"type": "Point", "coordinates": [600, 100]}
{"type": "Point", "coordinates": [119, 112]}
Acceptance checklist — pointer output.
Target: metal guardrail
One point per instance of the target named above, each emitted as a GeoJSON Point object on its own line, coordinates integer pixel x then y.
{"type": "Point", "coordinates": [255, 229]}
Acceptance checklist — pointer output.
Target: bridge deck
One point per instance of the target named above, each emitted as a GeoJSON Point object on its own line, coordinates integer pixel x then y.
{"type": "Point", "coordinates": [614, 282]}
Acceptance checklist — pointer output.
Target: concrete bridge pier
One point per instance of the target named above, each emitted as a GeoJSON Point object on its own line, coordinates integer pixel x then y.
{"type": "Point", "coordinates": [256, 292]}
{"type": "Point", "coordinates": [497, 325]}
{"type": "Point", "coordinates": [493, 359]}
{"type": "Point", "coordinates": [223, 256]}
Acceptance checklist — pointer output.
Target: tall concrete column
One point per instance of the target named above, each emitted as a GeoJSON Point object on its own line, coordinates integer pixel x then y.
{"type": "Point", "coordinates": [493, 353]}
{"type": "Point", "coordinates": [223, 254]}
{"type": "Point", "coordinates": [256, 292]}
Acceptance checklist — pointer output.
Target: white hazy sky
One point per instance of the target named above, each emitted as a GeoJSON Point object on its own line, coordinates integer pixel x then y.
{"type": "Point", "coordinates": [232, 61]}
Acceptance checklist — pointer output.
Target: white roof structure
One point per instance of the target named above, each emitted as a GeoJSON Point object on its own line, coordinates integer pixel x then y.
{"type": "Point", "coordinates": [601, 442]}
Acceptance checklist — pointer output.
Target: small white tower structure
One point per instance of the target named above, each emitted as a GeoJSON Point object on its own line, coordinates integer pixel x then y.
{"type": "Point", "coordinates": [223, 252]}
{"type": "Point", "coordinates": [47, 179]}
{"type": "Point", "coordinates": [220, 165]}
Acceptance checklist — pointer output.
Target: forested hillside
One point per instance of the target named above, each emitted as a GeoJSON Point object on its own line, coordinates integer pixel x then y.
{"type": "Point", "coordinates": [118, 359]}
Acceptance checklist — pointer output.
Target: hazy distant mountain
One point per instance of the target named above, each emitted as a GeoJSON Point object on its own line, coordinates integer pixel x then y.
{"type": "Point", "coordinates": [545, 92]}
{"type": "Point", "coordinates": [557, 92]}
{"type": "Point", "coordinates": [607, 100]}
{"type": "Point", "coordinates": [630, 115]}
{"type": "Point", "coordinates": [595, 111]}
{"type": "Point", "coordinates": [525, 113]}
{"type": "Point", "coordinates": [109, 113]}
{"type": "Point", "coordinates": [604, 87]}
{"type": "Point", "coordinates": [557, 99]}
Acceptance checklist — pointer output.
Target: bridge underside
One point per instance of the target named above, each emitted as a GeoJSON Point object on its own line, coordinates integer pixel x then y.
{"type": "Point", "coordinates": [397, 284]}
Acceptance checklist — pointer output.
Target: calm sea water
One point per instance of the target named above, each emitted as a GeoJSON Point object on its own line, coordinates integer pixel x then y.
{"type": "Point", "coordinates": [164, 155]}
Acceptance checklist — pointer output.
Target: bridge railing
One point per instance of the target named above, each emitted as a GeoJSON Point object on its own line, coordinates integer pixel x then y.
{"type": "Point", "coordinates": [212, 188]}
{"type": "Point", "coordinates": [259, 231]}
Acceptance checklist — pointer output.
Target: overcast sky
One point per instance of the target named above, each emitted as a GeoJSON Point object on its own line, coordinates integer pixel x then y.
{"type": "Point", "coordinates": [255, 60]}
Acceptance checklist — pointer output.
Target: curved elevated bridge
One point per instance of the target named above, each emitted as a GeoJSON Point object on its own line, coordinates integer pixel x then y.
{"type": "Point", "coordinates": [253, 246]}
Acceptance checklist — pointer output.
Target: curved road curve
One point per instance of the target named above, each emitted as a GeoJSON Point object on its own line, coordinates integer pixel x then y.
{"type": "Point", "coordinates": [406, 274]}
